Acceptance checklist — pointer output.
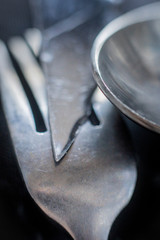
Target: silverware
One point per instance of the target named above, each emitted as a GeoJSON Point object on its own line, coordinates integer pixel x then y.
{"type": "Point", "coordinates": [33, 37]}
{"type": "Point", "coordinates": [69, 82]}
{"type": "Point", "coordinates": [126, 59]}
{"type": "Point", "coordinates": [86, 191]}
{"type": "Point", "coordinates": [95, 179]}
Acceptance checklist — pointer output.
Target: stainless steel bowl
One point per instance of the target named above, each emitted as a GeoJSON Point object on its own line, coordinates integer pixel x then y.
{"type": "Point", "coordinates": [126, 64]}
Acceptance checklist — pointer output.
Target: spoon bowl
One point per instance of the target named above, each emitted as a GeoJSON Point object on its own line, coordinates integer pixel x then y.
{"type": "Point", "coordinates": [126, 64]}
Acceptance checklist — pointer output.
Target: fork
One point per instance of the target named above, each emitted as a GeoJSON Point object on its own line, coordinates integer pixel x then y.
{"type": "Point", "coordinates": [92, 183]}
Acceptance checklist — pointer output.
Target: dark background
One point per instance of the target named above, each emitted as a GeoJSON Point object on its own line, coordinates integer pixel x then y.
{"type": "Point", "coordinates": [20, 218]}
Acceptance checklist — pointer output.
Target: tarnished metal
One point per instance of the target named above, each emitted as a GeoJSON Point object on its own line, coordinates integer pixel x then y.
{"type": "Point", "coordinates": [126, 57]}
{"type": "Point", "coordinates": [86, 190]}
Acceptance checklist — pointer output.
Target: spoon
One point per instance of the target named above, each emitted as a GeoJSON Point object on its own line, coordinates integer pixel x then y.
{"type": "Point", "coordinates": [126, 56]}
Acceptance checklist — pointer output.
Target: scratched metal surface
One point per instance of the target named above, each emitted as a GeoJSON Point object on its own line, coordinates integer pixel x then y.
{"type": "Point", "coordinates": [66, 62]}
{"type": "Point", "coordinates": [70, 82]}
{"type": "Point", "coordinates": [94, 181]}
{"type": "Point", "coordinates": [19, 217]}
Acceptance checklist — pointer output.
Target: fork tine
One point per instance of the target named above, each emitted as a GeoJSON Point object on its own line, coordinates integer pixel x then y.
{"type": "Point", "coordinates": [15, 103]}
{"type": "Point", "coordinates": [31, 148]}
{"type": "Point", "coordinates": [33, 37]}
{"type": "Point", "coordinates": [32, 72]}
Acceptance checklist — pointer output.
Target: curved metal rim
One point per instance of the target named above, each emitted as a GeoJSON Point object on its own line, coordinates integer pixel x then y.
{"type": "Point", "coordinates": [142, 14]}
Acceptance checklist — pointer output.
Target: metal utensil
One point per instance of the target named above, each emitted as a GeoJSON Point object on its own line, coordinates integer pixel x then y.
{"type": "Point", "coordinates": [66, 61]}
{"type": "Point", "coordinates": [126, 57]}
{"type": "Point", "coordinates": [70, 84]}
{"type": "Point", "coordinates": [86, 190]}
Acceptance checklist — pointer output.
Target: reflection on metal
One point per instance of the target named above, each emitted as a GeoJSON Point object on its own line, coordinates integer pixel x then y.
{"type": "Point", "coordinates": [70, 83]}
{"type": "Point", "coordinates": [115, 2]}
{"type": "Point", "coordinates": [126, 58]}
{"type": "Point", "coordinates": [70, 23]}
{"type": "Point", "coordinates": [86, 190]}
{"type": "Point", "coordinates": [32, 72]}
{"type": "Point", "coordinates": [33, 37]}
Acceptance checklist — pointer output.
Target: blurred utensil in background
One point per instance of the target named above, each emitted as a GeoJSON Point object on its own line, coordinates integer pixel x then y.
{"type": "Point", "coordinates": [49, 12]}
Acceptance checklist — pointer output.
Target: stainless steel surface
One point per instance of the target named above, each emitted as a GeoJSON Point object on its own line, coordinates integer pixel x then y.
{"type": "Point", "coordinates": [70, 82]}
{"type": "Point", "coordinates": [86, 190]}
{"type": "Point", "coordinates": [33, 36]}
{"type": "Point", "coordinates": [126, 59]}
{"type": "Point", "coordinates": [31, 71]}
{"type": "Point", "coordinates": [66, 60]}
{"type": "Point", "coordinates": [70, 23]}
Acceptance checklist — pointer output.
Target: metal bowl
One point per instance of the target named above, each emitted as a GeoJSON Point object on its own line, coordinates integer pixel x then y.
{"type": "Point", "coordinates": [126, 64]}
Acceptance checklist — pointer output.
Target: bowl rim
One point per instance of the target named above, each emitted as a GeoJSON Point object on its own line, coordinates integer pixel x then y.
{"type": "Point", "coordinates": [142, 14]}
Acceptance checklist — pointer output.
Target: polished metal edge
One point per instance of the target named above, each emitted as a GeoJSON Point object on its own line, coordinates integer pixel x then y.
{"type": "Point", "coordinates": [139, 15]}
